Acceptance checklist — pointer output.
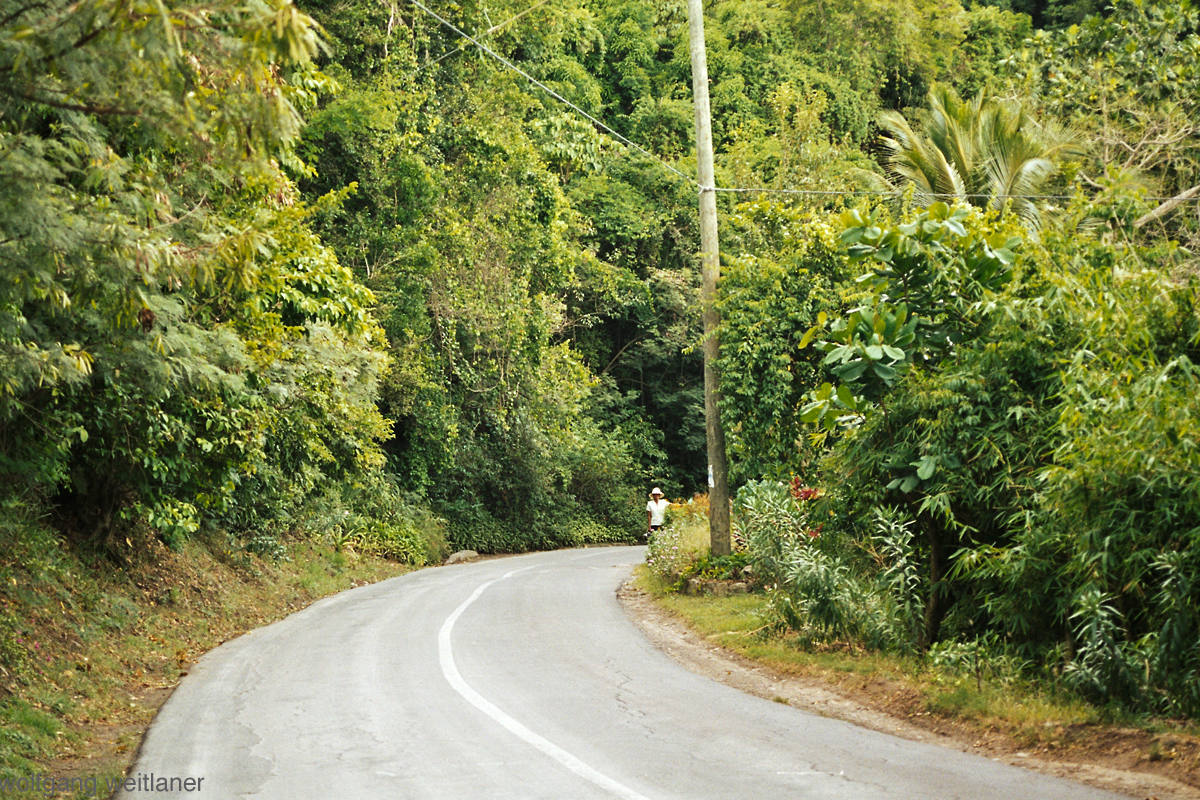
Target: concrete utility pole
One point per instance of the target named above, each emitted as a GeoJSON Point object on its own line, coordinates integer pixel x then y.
{"type": "Point", "coordinates": [718, 495]}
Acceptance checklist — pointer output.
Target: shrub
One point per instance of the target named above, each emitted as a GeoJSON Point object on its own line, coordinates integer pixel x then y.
{"type": "Point", "coordinates": [771, 521]}
{"type": "Point", "coordinates": [814, 589]}
{"type": "Point", "coordinates": [581, 532]}
{"type": "Point", "coordinates": [679, 544]}
{"type": "Point", "coordinates": [372, 516]}
{"type": "Point", "coordinates": [900, 578]}
{"type": "Point", "coordinates": [721, 568]}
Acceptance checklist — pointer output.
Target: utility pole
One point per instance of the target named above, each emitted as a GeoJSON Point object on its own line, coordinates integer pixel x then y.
{"type": "Point", "coordinates": [718, 494]}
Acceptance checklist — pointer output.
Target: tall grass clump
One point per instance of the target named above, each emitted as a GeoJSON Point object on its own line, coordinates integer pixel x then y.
{"type": "Point", "coordinates": [813, 589]}
{"type": "Point", "coordinates": [824, 585]}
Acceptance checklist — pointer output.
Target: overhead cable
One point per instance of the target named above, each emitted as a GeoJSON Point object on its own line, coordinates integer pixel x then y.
{"type": "Point", "coordinates": [488, 32]}
{"type": "Point", "coordinates": [743, 190]}
{"type": "Point", "coordinates": [940, 195]}
{"type": "Point", "coordinates": [550, 91]}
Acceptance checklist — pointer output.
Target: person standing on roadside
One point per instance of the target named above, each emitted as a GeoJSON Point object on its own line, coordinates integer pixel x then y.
{"type": "Point", "coordinates": [656, 511]}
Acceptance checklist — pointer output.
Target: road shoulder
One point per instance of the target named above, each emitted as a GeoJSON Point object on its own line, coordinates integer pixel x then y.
{"type": "Point", "coordinates": [692, 650]}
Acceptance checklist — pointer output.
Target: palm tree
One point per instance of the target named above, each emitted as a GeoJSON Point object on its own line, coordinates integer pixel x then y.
{"type": "Point", "coordinates": [984, 152]}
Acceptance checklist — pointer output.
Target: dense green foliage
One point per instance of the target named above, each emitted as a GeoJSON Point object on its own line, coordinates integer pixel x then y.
{"type": "Point", "coordinates": [351, 274]}
{"type": "Point", "coordinates": [1009, 417]}
{"type": "Point", "coordinates": [251, 297]}
{"type": "Point", "coordinates": [1006, 415]}
{"type": "Point", "coordinates": [536, 280]}
{"type": "Point", "coordinates": [1032, 468]}
{"type": "Point", "coordinates": [177, 345]}
{"type": "Point", "coordinates": [768, 303]}
{"type": "Point", "coordinates": [1130, 82]}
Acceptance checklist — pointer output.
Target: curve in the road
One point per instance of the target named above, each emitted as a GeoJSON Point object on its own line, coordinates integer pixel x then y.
{"type": "Point", "coordinates": [518, 679]}
{"type": "Point", "coordinates": [450, 671]}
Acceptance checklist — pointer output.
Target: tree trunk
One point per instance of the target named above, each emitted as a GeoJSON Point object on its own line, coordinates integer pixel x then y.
{"type": "Point", "coordinates": [934, 607]}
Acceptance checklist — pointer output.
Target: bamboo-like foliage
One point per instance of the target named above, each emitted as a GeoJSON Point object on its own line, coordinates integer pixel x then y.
{"type": "Point", "coordinates": [176, 345]}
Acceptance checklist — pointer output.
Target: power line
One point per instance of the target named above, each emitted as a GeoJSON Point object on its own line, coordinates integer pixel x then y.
{"type": "Point", "coordinates": [550, 91]}
{"type": "Point", "coordinates": [742, 190]}
{"type": "Point", "coordinates": [488, 32]}
{"type": "Point", "coordinates": [939, 195]}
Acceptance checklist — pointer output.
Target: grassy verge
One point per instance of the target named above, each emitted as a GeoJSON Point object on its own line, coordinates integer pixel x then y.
{"type": "Point", "coordinates": [90, 648]}
{"type": "Point", "coordinates": [988, 705]}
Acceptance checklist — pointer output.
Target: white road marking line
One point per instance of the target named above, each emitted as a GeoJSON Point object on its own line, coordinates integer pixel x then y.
{"type": "Point", "coordinates": [451, 673]}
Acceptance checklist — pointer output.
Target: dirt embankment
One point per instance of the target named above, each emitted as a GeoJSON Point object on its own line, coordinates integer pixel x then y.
{"type": "Point", "coordinates": [105, 643]}
{"type": "Point", "coordinates": [1117, 759]}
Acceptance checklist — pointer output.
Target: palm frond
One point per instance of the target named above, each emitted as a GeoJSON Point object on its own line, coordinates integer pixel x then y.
{"type": "Point", "coordinates": [986, 152]}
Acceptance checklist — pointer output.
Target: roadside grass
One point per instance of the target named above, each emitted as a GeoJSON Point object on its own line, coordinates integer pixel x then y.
{"type": "Point", "coordinates": [90, 647]}
{"type": "Point", "coordinates": [984, 703]}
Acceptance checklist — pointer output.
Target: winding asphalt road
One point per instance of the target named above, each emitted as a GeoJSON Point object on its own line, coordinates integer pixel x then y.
{"type": "Point", "coordinates": [516, 678]}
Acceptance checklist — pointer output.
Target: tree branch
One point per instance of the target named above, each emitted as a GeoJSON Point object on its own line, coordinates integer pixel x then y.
{"type": "Point", "coordinates": [19, 13]}
{"type": "Point", "coordinates": [1168, 206]}
{"type": "Point", "coordinates": [86, 109]}
{"type": "Point", "coordinates": [625, 347]}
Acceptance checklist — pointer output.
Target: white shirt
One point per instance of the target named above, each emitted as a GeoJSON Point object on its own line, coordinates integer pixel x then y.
{"type": "Point", "coordinates": [658, 510]}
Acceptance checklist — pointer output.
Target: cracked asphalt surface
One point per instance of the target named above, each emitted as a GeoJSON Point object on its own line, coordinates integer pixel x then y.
{"type": "Point", "coordinates": [518, 678]}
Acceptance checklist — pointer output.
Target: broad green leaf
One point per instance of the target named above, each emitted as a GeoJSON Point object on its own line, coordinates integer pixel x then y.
{"type": "Point", "coordinates": [812, 412]}
{"type": "Point", "coordinates": [850, 372]}
{"type": "Point", "coordinates": [926, 467]}
{"type": "Point", "coordinates": [845, 396]}
{"type": "Point", "coordinates": [887, 373]}
{"type": "Point", "coordinates": [852, 218]}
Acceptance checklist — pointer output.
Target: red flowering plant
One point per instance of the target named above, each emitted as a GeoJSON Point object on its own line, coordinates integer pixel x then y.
{"type": "Point", "coordinates": [803, 495]}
